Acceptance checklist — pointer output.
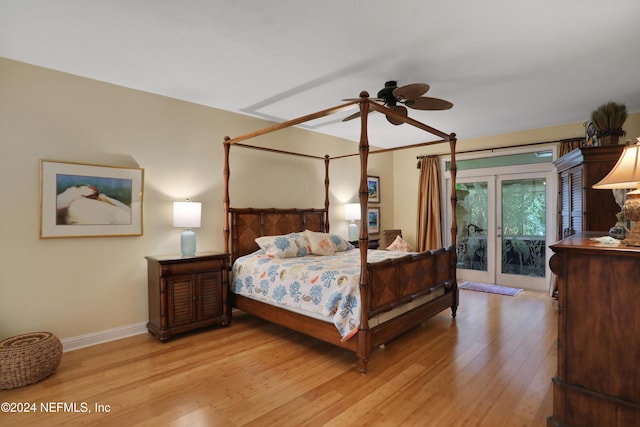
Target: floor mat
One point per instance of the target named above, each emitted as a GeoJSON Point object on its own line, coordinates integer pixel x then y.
{"type": "Point", "coordinates": [492, 289]}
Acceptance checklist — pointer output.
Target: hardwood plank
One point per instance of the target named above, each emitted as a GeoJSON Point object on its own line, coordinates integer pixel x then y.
{"type": "Point", "coordinates": [491, 366]}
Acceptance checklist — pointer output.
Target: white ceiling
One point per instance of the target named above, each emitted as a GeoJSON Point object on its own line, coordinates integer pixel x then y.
{"type": "Point", "coordinates": [507, 65]}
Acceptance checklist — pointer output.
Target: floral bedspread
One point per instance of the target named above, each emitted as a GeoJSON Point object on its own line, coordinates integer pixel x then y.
{"type": "Point", "coordinates": [324, 285]}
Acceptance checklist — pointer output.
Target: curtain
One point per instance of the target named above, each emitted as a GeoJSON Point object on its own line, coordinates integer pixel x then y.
{"type": "Point", "coordinates": [429, 212]}
{"type": "Point", "coordinates": [568, 145]}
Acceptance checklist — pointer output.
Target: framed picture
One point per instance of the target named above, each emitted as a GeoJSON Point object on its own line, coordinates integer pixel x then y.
{"type": "Point", "coordinates": [79, 200]}
{"type": "Point", "coordinates": [591, 137]}
{"type": "Point", "coordinates": [373, 182]}
{"type": "Point", "coordinates": [373, 219]}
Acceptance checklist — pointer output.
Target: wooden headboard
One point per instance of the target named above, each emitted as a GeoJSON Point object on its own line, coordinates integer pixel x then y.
{"type": "Point", "coordinates": [247, 224]}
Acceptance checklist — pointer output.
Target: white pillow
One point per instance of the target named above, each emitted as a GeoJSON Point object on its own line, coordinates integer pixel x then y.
{"type": "Point", "coordinates": [320, 243]}
{"type": "Point", "coordinates": [399, 245]}
{"type": "Point", "coordinates": [289, 246]}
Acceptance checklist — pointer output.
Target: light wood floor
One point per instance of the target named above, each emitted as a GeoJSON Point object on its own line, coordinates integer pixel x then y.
{"type": "Point", "coordinates": [492, 366]}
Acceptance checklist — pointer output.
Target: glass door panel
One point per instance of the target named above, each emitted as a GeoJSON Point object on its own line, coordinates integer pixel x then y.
{"type": "Point", "coordinates": [522, 230]}
{"type": "Point", "coordinates": [473, 216]}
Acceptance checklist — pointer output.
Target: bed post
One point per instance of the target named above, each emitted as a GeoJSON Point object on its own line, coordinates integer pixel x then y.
{"type": "Point", "coordinates": [364, 337]}
{"type": "Point", "coordinates": [454, 194]}
{"type": "Point", "coordinates": [326, 193]}
{"type": "Point", "coordinates": [454, 223]}
{"type": "Point", "coordinates": [225, 200]}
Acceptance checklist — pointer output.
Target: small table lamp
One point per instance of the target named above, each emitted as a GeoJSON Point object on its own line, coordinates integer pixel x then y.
{"type": "Point", "coordinates": [626, 174]}
{"type": "Point", "coordinates": [187, 215]}
{"type": "Point", "coordinates": [352, 213]}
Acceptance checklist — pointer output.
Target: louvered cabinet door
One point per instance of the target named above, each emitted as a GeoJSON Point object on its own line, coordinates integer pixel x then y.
{"type": "Point", "coordinates": [577, 200]}
{"type": "Point", "coordinates": [181, 300]}
{"type": "Point", "coordinates": [209, 299]}
{"type": "Point", "coordinates": [570, 200]}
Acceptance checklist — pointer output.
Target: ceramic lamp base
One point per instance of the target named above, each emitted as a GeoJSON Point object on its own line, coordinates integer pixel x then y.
{"type": "Point", "coordinates": [188, 243]}
{"type": "Point", "coordinates": [353, 232]}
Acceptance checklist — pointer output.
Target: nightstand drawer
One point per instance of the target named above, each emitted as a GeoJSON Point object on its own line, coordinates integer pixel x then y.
{"type": "Point", "coordinates": [194, 266]}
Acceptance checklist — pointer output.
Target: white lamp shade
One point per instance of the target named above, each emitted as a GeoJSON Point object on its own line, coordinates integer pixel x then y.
{"type": "Point", "coordinates": [626, 173]}
{"type": "Point", "coordinates": [186, 214]}
{"type": "Point", "coordinates": [352, 211]}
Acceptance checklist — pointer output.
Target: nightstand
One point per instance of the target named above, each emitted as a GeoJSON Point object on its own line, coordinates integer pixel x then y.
{"type": "Point", "coordinates": [187, 293]}
{"type": "Point", "coordinates": [373, 243]}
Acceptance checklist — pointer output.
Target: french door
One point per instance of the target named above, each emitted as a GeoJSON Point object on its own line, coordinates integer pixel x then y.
{"type": "Point", "coordinates": [506, 222]}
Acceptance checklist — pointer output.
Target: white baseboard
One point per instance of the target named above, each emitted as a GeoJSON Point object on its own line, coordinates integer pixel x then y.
{"type": "Point", "coordinates": [74, 343]}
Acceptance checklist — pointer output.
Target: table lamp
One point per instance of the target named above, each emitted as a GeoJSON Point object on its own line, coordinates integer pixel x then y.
{"type": "Point", "coordinates": [626, 174]}
{"type": "Point", "coordinates": [352, 213]}
{"type": "Point", "coordinates": [187, 215]}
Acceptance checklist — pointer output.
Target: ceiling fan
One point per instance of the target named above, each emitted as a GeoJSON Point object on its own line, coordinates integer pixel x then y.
{"type": "Point", "coordinates": [410, 95]}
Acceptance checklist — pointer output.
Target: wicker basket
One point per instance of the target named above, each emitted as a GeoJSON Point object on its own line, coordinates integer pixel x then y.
{"type": "Point", "coordinates": [28, 358]}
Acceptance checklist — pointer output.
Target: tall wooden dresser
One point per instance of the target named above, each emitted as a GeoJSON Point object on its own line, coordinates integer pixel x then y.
{"type": "Point", "coordinates": [598, 378]}
{"type": "Point", "coordinates": [580, 207]}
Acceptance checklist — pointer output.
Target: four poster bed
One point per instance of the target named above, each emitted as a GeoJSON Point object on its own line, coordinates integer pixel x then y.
{"type": "Point", "coordinates": [359, 299]}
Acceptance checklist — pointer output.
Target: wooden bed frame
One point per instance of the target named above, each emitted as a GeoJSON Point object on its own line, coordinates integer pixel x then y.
{"type": "Point", "coordinates": [384, 286]}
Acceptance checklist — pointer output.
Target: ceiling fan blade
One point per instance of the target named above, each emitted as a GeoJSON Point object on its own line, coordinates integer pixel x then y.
{"type": "Point", "coordinates": [355, 116]}
{"type": "Point", "coordinates": [400, 110]}
{"type": "Point", "coordinates": [358, 99]}
{"type": "Point", "coordinates": [352, 116]}
{"type": "Point", "coordinates": [428, 103]}
{"type": "Point", "coordinates": [411, 91]}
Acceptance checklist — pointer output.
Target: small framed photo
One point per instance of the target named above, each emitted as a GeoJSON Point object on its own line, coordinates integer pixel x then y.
{"type": "Point", "coordinates": [373, 220]}
{"type": "Point", "coordinates": [80, 200]}
{"type": "Point", "coordinates": [373, 183]}
{"type": "Point", "coordinates": [591, 136]}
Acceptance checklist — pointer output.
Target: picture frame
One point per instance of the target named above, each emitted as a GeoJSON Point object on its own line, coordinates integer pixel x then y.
{"type": "Point", "coordinates": [373, 184]}
{"type": "Point", "coordinates": [373, 220]}
{"type": "Point", "coordinates": [84, 200]}
{"type": "Point", "coordinates": [591, 136]}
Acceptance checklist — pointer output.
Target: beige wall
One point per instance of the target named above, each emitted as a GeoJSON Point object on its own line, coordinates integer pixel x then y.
{"type": "Point", "coordinates": [78, 286]}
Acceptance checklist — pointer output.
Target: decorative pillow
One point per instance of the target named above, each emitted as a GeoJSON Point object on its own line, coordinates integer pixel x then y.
{"type": "Point", "coordinates": [340, 243]}
{"type": "Point", "coordinates": [320, 243]}
{"type": "Point", "coordinates": [289, 246]}
{"type": "Point", "coordinates": [399, 245]}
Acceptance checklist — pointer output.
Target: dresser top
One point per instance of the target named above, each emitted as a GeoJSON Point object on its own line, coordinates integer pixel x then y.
{"type": "Point", "coordinates": [584, 243]}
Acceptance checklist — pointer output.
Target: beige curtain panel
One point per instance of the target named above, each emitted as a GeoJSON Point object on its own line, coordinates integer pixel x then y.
{"type": "Point", "coordinates": [429, 220]}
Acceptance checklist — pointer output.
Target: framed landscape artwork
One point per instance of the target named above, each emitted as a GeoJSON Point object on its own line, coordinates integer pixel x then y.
{"type": "Point", "coordinates": [373, 219]}
{"type": "Point", "coordinates": [373, 182]}
{"type": "Point", "coordinates": [81, 200]}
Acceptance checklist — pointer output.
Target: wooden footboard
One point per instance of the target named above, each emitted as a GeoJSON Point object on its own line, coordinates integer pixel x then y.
{"type": "Point", "coordinates": [399, 281]}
